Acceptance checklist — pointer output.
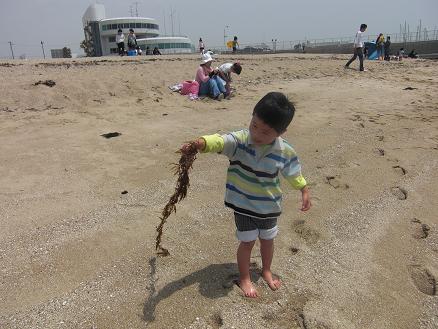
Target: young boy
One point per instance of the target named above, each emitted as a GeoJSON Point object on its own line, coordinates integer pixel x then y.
{"type": "Point", "coordinates": [257, 155]}
{"type": "Point", "coordinates": [358, 47]}
{"type": "Point", "coordinates": [224, 71]}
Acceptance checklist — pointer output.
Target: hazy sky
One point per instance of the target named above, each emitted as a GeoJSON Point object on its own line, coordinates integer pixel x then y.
{"type": "Point", "coordinates": [59, 22]}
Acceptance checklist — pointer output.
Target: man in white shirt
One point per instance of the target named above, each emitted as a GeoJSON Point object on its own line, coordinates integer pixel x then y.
{"type": "Point", "coordinates": [358, 47]}
{"type": "Point", "coordinates": [120, 41]}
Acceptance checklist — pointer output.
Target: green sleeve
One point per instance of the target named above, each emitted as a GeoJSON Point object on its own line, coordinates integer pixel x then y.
{"type": "Point", "coordinates": [297, 182]}
{"type": "Point", "coordinates": [213, 143]}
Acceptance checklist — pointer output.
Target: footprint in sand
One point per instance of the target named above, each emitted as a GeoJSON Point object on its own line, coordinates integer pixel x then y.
{"type": "Point", "coordinates": [294, 250]}
{"type": "Point", "coordinates": [217, 320]}
{"type": "Point", "coordinates": [423, 280]}
{"type": "Point", "coordinates": [335, 182]}
{"type": "Point", "coordinates": [399, 192]}
{"type": "Point", "coordinates": [400, 170]}
{"type": "Point", "coordinates": [305, 232]}
{"type": "Point", "coordinates": [421, 231]}
{"type": "Point", "coordinates": [380, 152]}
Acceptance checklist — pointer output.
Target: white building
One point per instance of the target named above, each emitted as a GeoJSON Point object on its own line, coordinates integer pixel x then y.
{"type": "Point", "coordinates": [100, 33]}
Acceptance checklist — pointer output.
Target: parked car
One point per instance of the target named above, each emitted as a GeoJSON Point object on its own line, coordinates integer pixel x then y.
{"type": "Point", "coordinates": [256, 48]}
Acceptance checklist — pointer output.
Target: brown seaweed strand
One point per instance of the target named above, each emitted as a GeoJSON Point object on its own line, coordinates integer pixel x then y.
{"type": "Point", "coordinates": [181, 169]}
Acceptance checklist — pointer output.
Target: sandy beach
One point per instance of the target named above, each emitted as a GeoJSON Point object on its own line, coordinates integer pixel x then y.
{"type": "Point", "coordinates": [76, 252]}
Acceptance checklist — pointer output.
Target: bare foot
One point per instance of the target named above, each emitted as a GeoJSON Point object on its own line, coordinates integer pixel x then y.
{"type": "Point", "coordinates": [247, 288]}
{"type": "Point", "coordinates": [274, 284]}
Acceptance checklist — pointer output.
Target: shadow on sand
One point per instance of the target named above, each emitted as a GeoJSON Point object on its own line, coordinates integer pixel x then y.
{"type": "Point", "coordinates": [215, 281]}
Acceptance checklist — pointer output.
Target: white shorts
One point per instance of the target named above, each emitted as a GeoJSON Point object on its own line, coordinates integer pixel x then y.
{"type": "Point", "coordinates": [250, 228]}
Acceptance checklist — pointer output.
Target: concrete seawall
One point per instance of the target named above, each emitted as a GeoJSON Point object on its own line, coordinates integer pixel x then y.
{"type": "Point", "coordinates": [421, 47]}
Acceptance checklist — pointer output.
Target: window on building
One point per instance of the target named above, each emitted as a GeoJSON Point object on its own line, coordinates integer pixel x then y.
{"type": "Point", "coordinates": [126, 25]}
{"type": "Point", "coordinates": [113, 26]}
{"type": "Point", "coordinates": [138, 25]}
{"type": "Point", "coordinates": [132, 25]}
{"type": "Point", "coordinates": [103, 27]}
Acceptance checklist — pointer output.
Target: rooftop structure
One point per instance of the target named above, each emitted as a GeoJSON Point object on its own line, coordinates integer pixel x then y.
{"type": "Point", "coordinates": [100, 34]}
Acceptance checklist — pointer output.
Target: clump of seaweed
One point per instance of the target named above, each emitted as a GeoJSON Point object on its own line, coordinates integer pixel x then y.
{"type": "Point", "coordinates": [182, 184]}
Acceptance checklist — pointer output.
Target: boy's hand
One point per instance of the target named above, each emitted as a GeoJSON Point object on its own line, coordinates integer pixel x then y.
{"type": "Point", "coordinates": [187, 147]}
{"type": "Point", "coordinates": [305, 195]}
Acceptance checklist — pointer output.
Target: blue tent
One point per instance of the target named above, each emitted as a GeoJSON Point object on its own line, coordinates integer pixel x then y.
{"type": "Point", "coordinates": [372, 50]}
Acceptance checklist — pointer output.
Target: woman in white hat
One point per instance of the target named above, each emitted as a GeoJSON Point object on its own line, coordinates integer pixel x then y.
{"type": "Point", "coordinates": [209, 82]}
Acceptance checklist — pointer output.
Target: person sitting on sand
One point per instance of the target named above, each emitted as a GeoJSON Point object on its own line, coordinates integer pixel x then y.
{"type": "Point", "coordinates": [413, 54]}
{"type": "Point", "coordinates": [156, 51]}
{"type": "Point", "coordinates": [401, 54]}
{"type": "Point", "coordinates": [257, 155]}
{"type": "Point", "coordinates": [224, 72]}
{"type": "Point", "coordinates": [209, 82]}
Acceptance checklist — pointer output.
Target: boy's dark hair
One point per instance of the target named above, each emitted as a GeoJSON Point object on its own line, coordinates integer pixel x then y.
{"type": "Point", "coordinates": [120, 30]}
{"type": "Point", "coordinates": [275, 110]}
{"type": "Point", "coordinates": [237, 68]}
{"type": "Point", "coordinates": [363, 26]}
{"type": "Point", "coordinates": [131, 30]}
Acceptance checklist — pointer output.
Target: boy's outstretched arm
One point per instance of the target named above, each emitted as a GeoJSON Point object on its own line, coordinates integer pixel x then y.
{"type": "Point", "coordinates": [205, 144]}
{"type": "Point", "coordinates": [305, 196]}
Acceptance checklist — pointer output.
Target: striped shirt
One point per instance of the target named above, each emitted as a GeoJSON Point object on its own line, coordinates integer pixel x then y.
{"type": "Point", "coordinates": [253, 184]}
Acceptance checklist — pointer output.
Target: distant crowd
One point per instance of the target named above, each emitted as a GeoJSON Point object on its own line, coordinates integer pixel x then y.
{"type": "Point", "coordinates": [381, 46]}
{"type": "Point", "coordinates": [133, 48]}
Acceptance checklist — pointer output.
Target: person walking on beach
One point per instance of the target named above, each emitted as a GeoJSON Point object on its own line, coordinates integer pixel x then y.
{"type": "Point", "coordinates": [257, 155]}
{"type": "Point", "coordinates": [201, 45]}
{"type": "Point", "coordinates": [120, 41]}
{"type": "Point", "coordinates": [235, 44]}
{"type": "Point", "coordinates": [358, 47]}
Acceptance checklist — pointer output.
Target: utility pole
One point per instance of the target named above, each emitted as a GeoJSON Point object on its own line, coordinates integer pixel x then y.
{"type": "Point", "coordinates": [225, 36]}
{"type": "Point", "coordinates": [171, 18]}
{"type": "Point", "coordinates": [136, 8]}
{"type": "Point", "coordinates": [179, 25]}
{"type": "Point", "coordinates": [12, 50]}
{"type": "Point", "coordinates": [165, 30]}
{"type": "Point", "coordinates": [42, 46]}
